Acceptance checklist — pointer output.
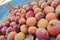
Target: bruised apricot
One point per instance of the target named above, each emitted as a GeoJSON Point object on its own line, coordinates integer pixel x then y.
{"type": "Point", "coordinates": [42, 34]}
{"type": "Point", "coordinates": [54, 27]}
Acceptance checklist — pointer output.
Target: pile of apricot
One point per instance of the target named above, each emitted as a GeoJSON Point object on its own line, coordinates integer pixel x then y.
{"type": "Point", "coordinates": [38, 19]}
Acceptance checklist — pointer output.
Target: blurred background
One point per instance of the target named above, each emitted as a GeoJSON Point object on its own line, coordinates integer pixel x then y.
{"type": "Point", "coordinates": [4, 9]}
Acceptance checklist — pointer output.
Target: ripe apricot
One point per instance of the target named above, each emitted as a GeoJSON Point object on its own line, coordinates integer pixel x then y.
{"type": "Point", "coordinates": [31, 21]}
{"type": "Point", "coordinates": [42, 23]}
{"type": "Point", "coordinates": [51, 16]}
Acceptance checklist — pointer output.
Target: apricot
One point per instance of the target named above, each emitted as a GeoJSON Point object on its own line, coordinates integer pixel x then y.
{"type": "Point", "coordinates": [51, 16]}
{"type": "Point", "coordinates": [33, 3]}
{"type": "Point", "coordinates": [0, 32]}
{"type": "Point", "coordinates": [16, 28]}
{"type": "Point", "coordinates": [29, 8]}
{"type": "Point", "coordinates": [41, 1]}
{"type": "Point", "coordinates": [2, 37]}
{"type": "Point", "coordinates": [58, 37]}
{"type": "Point", "coordinates": [11, 35]}
{"type": "Point", "coordinates": [31, 21]}
{"type": "Point", "coordinates": [39, 15]}
{"type": "Point", "coordinates": [24, 29]}
{"type": "Point", "coordinates": [54, 27]}
{"type": "Point", "coordinates": [25, 6]}
{"type": "Point", "coordinates": [49, 1]}
{"type": "Point", "coordinates": [19, 36]}
{"type": "Point", "coordinates": [19, 9]}
{"type": "Point", "coordinates": [42, 34]}
{"type": "Point", "coordinates": [17, 19]}
{"type": "Point", "coordinates": [11, 10]}
{"type": "Point", "coordinates": [18, 14]}
{"type": "Point", "coordinates": [36, 10]}
{"type": "Point", "coordinates": [57, 10]}
{"type": "Point", "coordinates": [12, 24]}
{"type": "Point", "coordinates": [16, 9]}
{"type": "Point", "coordinates": [23, 11]}
{"type": "Point", "coordinates": [35, 6]}
{"type": "Point", "coordinates": [10, 29]}
{"type": "Point", "coordinates": [6, 23]}
{"type": "Point", "coordinates": [42, 23]}
{"type": "Point", "coordinates": [27, 39]}
{"type": "Point", "coordinates": [22, 21]}
{"type": "Point", "coordinates": [29, 14]}
{"type": "Point", "coordinates": [48, 9]}
{"type": "Point", "coordinates": [4, 30]}
{"type": "Point", "coordinates": [32, 30]}
{"type": "Point", "coordinates": [55, 3]}
{"type": "Point", "coordinates": [44, 4]}
{"type": "Point", "coordinates": [23, 16]}
{"type": "Point", "coordinates": [7, 19]}
{"type": "Point", "coordinates": [12, 18]}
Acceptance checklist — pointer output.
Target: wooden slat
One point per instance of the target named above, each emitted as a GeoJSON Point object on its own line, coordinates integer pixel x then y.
{"type": "Point", "coordinates": [9, 6]}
